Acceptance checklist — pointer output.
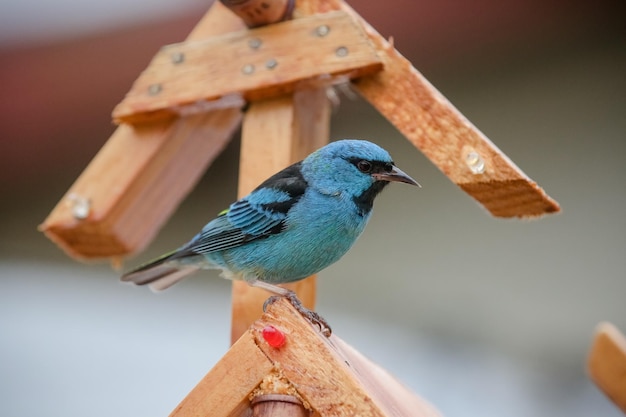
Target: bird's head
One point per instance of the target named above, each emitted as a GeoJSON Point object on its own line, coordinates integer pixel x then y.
{"type": "Point", "coordinates": [355, 168]}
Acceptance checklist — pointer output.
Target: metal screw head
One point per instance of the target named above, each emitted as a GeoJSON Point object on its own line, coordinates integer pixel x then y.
{"type": "Point", "coordinates": [475, 163]}
{"type": "Point", "coordinates": [247, 69]}
{"type": "Point", "coordinates": [255, 43]}
{"type": "Point", "coordinates": [271, 64]}
{"type": "Point", "coordinates": [80, 206]}
{"type": "Point", "coordinates": [341, 51]}
{"type": "Point", "coordinates": [178, 58]}
{"type": "Point", "coordinates": [155, 89]}
{"type": "Point", "coordinates": [322, 30]}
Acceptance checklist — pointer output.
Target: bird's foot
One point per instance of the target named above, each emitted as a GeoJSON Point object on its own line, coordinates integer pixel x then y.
{"type": "Point", "coordinates": [310, 315]}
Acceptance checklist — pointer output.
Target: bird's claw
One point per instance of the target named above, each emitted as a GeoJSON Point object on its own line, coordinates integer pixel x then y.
{"type": "Point", "coordinates": [310, 315]}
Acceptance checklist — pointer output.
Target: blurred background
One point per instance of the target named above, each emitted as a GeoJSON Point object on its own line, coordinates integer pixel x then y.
{"type": "Point", "coordinates": [480, 316]}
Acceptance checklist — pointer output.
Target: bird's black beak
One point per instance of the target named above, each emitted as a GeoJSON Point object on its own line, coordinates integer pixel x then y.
{"type": "Point", "coordinates": [395, 175]}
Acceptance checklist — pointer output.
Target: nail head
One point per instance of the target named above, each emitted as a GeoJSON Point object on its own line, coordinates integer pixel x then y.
{"type": "Point", "coordinates": [255, 43]}
{"type": "Point", "coordinates": [178, 58]}
{"type": "Point", "coordinates": [322, 30]}
{"type": "Point", "coordinates": [271, 64]}
{"type": "Point", "coordinates": [155, 89]}
{"type": "Point", "coordinates": [341, 51]}
{"type": "Point", "coordinates": [80, 206]}
{"type": "Point", "coordinates": [475, 163]}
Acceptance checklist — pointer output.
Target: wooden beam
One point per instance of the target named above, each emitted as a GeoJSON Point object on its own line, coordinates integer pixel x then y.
{"type": "Point", "coordinates": [254, 64]}
{"type": "Point", "coordinates": [607, 363]}
{"type": "Point", "coordinates": [275, 134]}
{"type": "Point", "coordinates": [447, 138]}
{"type": "Point", "coordinates": [135, 182]}
{"type": "Point", "coordinates": [429, 121]}
{"type": "Point", "coordinates": [333, 378]}
{"type": "Point", "coordinates": [140, 176]}
{"type": "Point", "coordinates": [327, 376]}
{"type": "Point", "coordinates": [224, 391]}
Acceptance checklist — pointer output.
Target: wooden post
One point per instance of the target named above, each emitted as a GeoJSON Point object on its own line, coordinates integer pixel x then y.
{"type": "Point", "coordinates": [607, 363]}
{"type": "Point", "coordinates": [275, 134]}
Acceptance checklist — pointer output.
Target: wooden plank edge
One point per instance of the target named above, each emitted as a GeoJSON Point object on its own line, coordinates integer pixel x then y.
{"type": "Point", "coordinates": [312, 366]}
{"type": "Point", "coordinates": [429, 121]}
{"type": "Point", "coordinates": [331, 377]}
{"type": "Point", "coordinates": [217, 20]}
{"type": "Point", "coordinates": [224, 391]}
{"type": "Point", "coordinates": [129, 201]}
{"type": "Point", "coordinates": [396, 398]}
{"type": "Point", "coordinates": [142, 106]}
{"type": "Point", "coordinates": [521, 198]}
{"type": "Point", "coordinates": [606, 363]}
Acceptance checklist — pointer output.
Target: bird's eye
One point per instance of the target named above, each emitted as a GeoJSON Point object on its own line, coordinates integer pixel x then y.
{"type": "Point", "coordinates": [364, 166]}
{"type": "Point", "coordinates": [388, 167]}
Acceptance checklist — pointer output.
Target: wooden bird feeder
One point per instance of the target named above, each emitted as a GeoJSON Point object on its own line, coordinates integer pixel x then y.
{"type": "Point", "coordinates": [279, 58]}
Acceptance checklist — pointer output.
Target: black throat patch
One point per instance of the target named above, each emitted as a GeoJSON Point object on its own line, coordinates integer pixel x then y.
{"type": "Point", "coordinates": [365, 201]}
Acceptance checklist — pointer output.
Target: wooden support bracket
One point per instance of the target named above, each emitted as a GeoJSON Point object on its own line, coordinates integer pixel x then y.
{"type": "Point", "coordinates": [135, 182]}
{"type": "Point", "coordinates": [139, 177]}
{"type": "Point", "coordinates": [431, 123]}
{"type": "Point", "coordinates": [254, 64]}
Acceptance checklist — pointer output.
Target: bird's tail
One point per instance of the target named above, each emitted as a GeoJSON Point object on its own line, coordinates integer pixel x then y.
{"type": "Point", "coordinates": [160, 273]}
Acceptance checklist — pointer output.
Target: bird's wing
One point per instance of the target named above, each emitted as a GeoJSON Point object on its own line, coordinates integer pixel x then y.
{"type": "Point", "coordinates": [261, 214]}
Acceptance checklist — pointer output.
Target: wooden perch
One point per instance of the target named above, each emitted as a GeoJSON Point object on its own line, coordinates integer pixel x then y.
{"type": "Point", "coordinates": [254, 64]}
{"type": "Point", "coordinates": [331, 378]}
{"type": "Point", "coordinates": [607, 363]}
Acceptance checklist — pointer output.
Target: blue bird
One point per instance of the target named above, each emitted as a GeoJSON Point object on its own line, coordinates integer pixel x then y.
{"type": "Point", "coordinates": [296, 223]}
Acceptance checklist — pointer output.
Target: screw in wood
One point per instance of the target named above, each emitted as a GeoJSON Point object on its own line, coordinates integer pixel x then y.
{"type": "Point", "coordinates": [341, 51]}
{"type": "Point", "coordinates": [247, 69]}
{"type": "Point", "coordinates": [271, 64]}
{"type": "Point", "coordinates": [322, 30]}
{"type": "Point", "coordinates": [475, 163]}
{"type": "Point", "coordinates": [155, 89]}
{"type": "Point", "coordinates": [81, 206]}
{"type": "Point", "coordinates": [255, 43]}
{"type": "Point", "coordinates": [177, 58]}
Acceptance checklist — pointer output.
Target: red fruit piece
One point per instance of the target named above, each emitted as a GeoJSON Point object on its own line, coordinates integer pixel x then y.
{"type": "Point", "coordinates": [274, 337]}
